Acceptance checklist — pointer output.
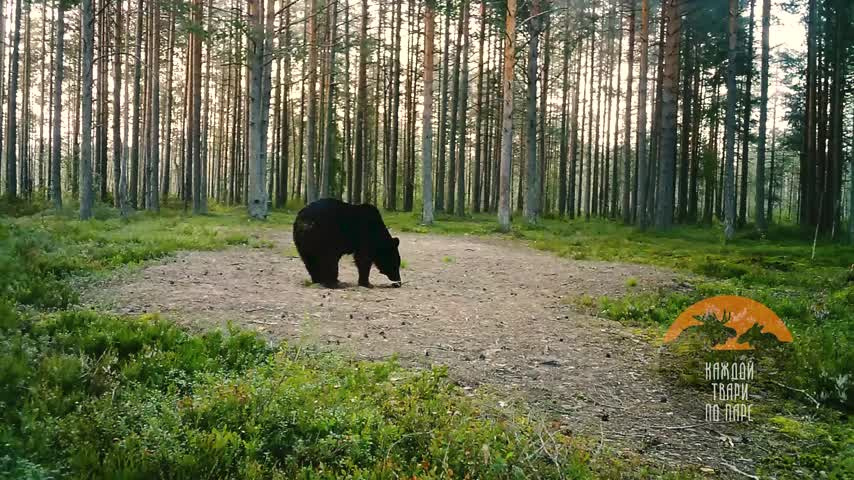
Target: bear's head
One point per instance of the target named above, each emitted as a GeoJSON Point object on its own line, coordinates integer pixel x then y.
{"type": "Point", "coordinates": [388, 260]}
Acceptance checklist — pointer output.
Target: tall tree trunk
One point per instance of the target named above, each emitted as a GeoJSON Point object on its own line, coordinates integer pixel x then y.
{"type": "Point", "coordinates": [455, 107]}
{"type": "Point", "coordinates": [573, 136]}
{"type": "Point", "coordinates": [167, 157]}
{"type": "Point", "coordinates": [311, 136]}
{"type": "Point", "coordinates": [463, 101]}
{"type": "Point", "coordinates": [562, 160]}
{"type": "Point", "coordinates": [11, 109]}
{"type": "Point", "coordinates": [615, 179]}
{"type": "Point", "coordinates": [588, 179]}
{"type": "Point", "coordinates": [627, 120]}
{"type": "Point", "coordinates": [2, 70]}
{"type": "Point", "coordinates": [361, 110]}
{"type": "Point", "coordinates": [87, 27]}
{"type": "Point", "coordinates": [391, 174]}
{"type": "Point", "coordinates": [761, 220]}
{"type": "Point", "coordinates": [543, 111]}
{"type": "Point", "coordinates": [257, 200]}
{"type": "Point", "coordinates": [643, 174]}
{"type": "Point", "coordinates": [137, 86]}
{"type": "Point", "coordinates": [443, 111]}
{"type": "Point", "coordinates": [745, 131]}
{"type": "Point", "coordinates": [153, 199]}
{"type": "Point", "coordinates": [478, 116]}
{"type": "Point", "coordinates": [667, 164]}
{"type": "Point", "coordinates": [507, 117]}
{"type": "Point", "coordinates": [427, 117]}
{"type": "Point", "coordinates": [686, 130]}
{"type": "Point", "coordinates": [56, 177]}
{"type": "Point", "coordinates": [329, 140]}
{"type": "Point", "coordinates": [729, 180]}
{"type": "Point", "coordinates": [808, 156]}
{"type": "Point", "coordinates": [119, 168]}
{"type": "Point", "coordinates": [771, 190]}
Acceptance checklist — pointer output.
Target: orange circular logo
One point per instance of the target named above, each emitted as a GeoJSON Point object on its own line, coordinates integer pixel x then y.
{"type": "Point", "coordinates": [746, 318]}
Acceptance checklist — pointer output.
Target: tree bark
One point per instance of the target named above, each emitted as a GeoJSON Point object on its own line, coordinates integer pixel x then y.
{"type": "Point", "coordinates": [729, 180]}
{"type": "Point", "coordinates": [56, 177]}
{"type": "Point", "coordinates": [761, 220]}
{"type": "Point", "coordinates": [507, 117]}
{"type": "Point", "coordinates": [427, 117]}
{"type": "Point", "coordinates": [257, 200]}
{"type": "Point", "coordinates": [745, 131]}
{"type": "Point", "coordinates": [667, 164]}
{"type": "Point", "coordinates": [87, 28]}
{"type": "Point", "coordinates": [361, 109]}
{"type": "Point", "coordinates": [329, 134]}
{"type": "Point", "coordinates": [463, 103]}
{"type": "Point", "coordinates": [11, 109]}
{"type": "Point", "coordinates": [643, 174]}
{"type": "Point", "coordinates": [311, 136]}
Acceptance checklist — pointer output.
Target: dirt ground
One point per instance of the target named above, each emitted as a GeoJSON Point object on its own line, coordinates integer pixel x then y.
{"type": "Point", "coordinates": [494, 312]}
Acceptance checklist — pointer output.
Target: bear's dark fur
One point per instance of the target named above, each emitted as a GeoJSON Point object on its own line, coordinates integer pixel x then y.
{"type": "Point", "coordinates": [327, 229]}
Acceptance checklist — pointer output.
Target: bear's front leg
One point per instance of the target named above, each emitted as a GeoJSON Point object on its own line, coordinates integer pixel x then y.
{"type": "Point", "coordinates": [363, 264]}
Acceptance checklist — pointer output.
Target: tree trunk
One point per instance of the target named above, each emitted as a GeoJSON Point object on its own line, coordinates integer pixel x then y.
{"type": "Point", "coordinates": [745, 131]}
{"type": "Point", "coordinates": [153, 199]}
{"type": "Point", "coordinates": [443, 112]}
{"type": "Point", "coordinates": [507, 117]}
{"type": "Point", "coordinates": [257, 200]}
{"type": "Point", "coordinates": [463, 103]}
{"type": "Point", "coordinates": [455, 107]}
{"type": "Point", "coordinates": [542, 175]}
{"type": "Point", "coordinates": [729, 181]}
{"type": "Point", "coordinates": [87, 26]}
{"type": "Point", "coordinates": [329, 140]}
{"type": "Point", "coordinates": [588, 179]}
{"type": "Point", "coordinates": [573, 136]}
{"type": "Point", "coordinates": [12, 124]}
{"type": "Point", "coordinates": [478, 116]}
{"type": "Point", "coordinates": [669, 85]}
{"type": "Point", "coordinates": [119, 167]}
{"type": "Point", "coordinates": [361, 109]}
{"type": "Point", "coordinates": [427, 117]}
{"type": "Point", "coordinates": [311, 136]}
{"type": "Point", "coordinates": [615, 179]}
{"type": "Point", "coordinates": [137, 86]}
{"type": "Point", "coordinates": [167, 158]}
{"type": "Point", "coordinates": [643, 174]}
{"type": "Point", "coordinates": [761, 220]}
{"type": "Point", "coordinates": [562, 160]}
{"type": "Point", "coordinates": [56, 177]}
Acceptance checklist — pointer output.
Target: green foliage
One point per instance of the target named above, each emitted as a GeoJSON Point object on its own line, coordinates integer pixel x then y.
{"type": "Point", "coordinates": [87, 395]}
{"type": "Point", "coordinates": [138, 398]}
{"type": "Point", "coordinates": [812, 296]}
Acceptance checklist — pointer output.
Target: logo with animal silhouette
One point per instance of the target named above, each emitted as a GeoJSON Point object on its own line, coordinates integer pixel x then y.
{"type": "Point", "coordinates": [733, 322]}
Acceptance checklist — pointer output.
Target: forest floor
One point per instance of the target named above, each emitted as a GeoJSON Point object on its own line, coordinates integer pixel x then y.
{"type": "Point", "coordinates": [499, 315]}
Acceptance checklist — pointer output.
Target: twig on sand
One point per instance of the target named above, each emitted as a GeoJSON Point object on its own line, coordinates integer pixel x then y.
{"type": "Point", "coordinates": [261, 322]}
{"type": "Point", "coordinates": [806, 394]}
{"type": "Point", "coordinates": [736, 470]}
{"type": "Point", "coordinates": [679, 427]}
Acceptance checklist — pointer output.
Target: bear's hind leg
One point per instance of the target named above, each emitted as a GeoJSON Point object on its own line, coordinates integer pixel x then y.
{"type": "Point", "coordinates": [328, 272]}
{"type": "Point", "coordinates": [312, 264]}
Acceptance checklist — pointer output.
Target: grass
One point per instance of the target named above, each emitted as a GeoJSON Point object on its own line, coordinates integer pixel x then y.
{"type": "Point", "coordinates": [137, 395]}
{"type": "Point", "coordinates": [813, 296]}
{"type": "Point", "coordinates": [90, 395]}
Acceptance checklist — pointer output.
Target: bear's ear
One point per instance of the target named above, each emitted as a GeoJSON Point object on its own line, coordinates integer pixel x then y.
{"type": "Point", "coordinates": [396, 241]}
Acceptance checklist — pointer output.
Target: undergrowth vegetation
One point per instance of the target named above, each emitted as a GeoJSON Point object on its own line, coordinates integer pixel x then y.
{"type": "Point", "coordinates": [83, 394]}
{"type": "Point", "coordinates": [86, 395]}
{"type": "Point", "coordinates": [90, 395]}
{"type": "Point", "coordinates": [813, 296]}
